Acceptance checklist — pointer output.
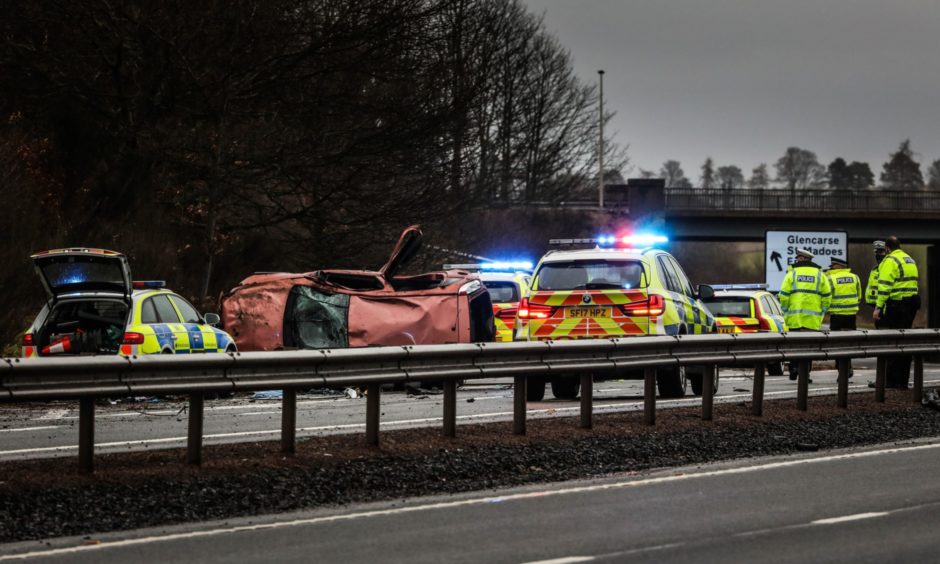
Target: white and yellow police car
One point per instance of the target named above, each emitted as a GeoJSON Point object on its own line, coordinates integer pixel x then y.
{"type": "Point", "coordinates": [621, 286]}
{"type": "Point", "coordinates": [94, 307]}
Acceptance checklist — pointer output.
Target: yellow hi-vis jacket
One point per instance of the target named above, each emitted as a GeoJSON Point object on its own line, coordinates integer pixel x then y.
{"type": "Point", "coordinates": [871, 291]}
{"type": "Point", "coordinates": [846, 291]}
{"type": "Point", "coordinates": [897, 277]}
{"type": "Point", "coordinates": [805, 295]}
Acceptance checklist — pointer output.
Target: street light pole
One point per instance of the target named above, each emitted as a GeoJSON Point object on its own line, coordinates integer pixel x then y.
{"type": "Point", "coordinates": [600, 144]}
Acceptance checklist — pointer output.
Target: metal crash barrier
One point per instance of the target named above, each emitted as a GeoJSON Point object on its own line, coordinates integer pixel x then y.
{"type": "Point", "coordinates": [87, 378]}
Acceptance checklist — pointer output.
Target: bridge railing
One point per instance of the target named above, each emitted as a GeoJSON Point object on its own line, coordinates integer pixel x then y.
{"type": "Point", "coordinates": [42, 379]}
{"type": "Point", "coordinates": [820, 200]}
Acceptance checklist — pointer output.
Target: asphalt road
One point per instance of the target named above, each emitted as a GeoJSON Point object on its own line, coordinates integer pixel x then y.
{"type": "Point", "coordinates": [45, 430]}
{"type": "Point", "coordinates": [879, 505]}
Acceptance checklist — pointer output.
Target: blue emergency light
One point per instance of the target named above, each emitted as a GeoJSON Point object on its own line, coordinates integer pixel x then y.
{"type": "Point", "coordinates": [739, 286]}
{"type": "Point", "coordinates": [638, 240]}
{"type": "Point", "coordinates": [507, 266]}
{"type": "Point", "coordinates": [145, 284]}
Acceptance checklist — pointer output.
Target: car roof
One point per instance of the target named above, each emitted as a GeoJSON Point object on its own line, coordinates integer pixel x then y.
{"type": "Point", "coordinates": [599, 254]}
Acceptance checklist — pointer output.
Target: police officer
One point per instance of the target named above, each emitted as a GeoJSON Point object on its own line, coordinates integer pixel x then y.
{"type": "Point", "coordinates": [846, 295]}
{"type": "Point", "coordinates": [871, 291]}
{"type": "Point", "coordinates": [805, 295]}
{"type": "Point", "coordinates": [897, 304]}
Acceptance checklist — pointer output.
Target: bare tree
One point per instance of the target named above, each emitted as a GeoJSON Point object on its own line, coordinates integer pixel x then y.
{"type": "Point", "coordinates": [759, 179]}
{"type": "Point", "coordinates": [672, 172]}
{"type": "Point", "coordinates": [799, 169]}
{"type": "Point", "coordinates": [729, 177]}
{"type": "Point", "coordinates": [933, 175]}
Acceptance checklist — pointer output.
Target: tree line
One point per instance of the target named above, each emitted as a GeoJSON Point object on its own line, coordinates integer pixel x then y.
{"type": "Point", "coordinates": [210, 139]}
{"type": "Point", "coordinates": [800, 169]}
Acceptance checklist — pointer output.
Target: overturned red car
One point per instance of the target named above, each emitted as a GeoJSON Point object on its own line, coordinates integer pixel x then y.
{"type": "Point", "coordinates": [358, 308]}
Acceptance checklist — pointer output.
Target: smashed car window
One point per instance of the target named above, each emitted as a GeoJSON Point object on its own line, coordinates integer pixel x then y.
{"type": "Point", "coordinates": [315, 320]}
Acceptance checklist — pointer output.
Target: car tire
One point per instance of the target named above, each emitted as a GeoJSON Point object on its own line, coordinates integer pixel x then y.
{"type": "Point", "coordinates": [775, 369]}
{"type": "Point", "coordinates": [535, 389]}
{"type": "Point", "coordinates": [696, 380]}
{"type": "Point", "coordinates": [671, 382]}
{"type": "Point", "coordinates": [566, 387]}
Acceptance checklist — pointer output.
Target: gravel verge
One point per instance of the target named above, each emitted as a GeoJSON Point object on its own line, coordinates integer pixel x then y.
{"type": "Point", "coordinates": [47, 498]}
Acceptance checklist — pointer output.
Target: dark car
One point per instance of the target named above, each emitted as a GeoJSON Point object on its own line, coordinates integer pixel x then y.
{"type": "Point", "coordinates": [358, 308]}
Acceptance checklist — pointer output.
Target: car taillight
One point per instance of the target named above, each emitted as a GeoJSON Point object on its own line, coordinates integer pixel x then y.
{"type": "Point", "coordinates": [652, 306]}
{"type": "Point", "coordinates": [534, 311]}
{"type": "Point", "coordinates": [28, 340]}
{"type": "Point", "coordinates": [133, 338]}
{"type": "Point", "coordinates": [507, 313]}
{"type": "Point", "coordinates": [763, 324]}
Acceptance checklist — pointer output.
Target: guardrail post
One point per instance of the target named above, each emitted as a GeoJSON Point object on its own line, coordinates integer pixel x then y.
{"type": "Point", "coordinates": [450, 408]}
{"type": "Point", "coordinates": [194, 438]}
{"type": "Point", "coordinates": [86, 435]}
{"type": "Point", "coordinates": [757, 400]}
{"type": "Point", "coordinates": [649, 395]}
{"type": "Point", "coordinates": [289, 421]}
{"type": "Point", "coordinates": [918, 390]}
{"type": "Point", "coordinates": [373, 394]}
{"type": "Point", "coordinates": [587, 400]}
{"type": "Point", "coordinates": [880, 367]}
{"type": "Point", "coordinates": [802, 385]}
{"type": "Point", "coordinates": [518, 405]}
{"type": "Point", "coordinates": [708, 391]}
{"type": "Point", "coordinates": [844, 365]}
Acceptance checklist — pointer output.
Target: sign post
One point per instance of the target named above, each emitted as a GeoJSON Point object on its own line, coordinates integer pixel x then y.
{"type": "Point", "coordinates": [780, 249]}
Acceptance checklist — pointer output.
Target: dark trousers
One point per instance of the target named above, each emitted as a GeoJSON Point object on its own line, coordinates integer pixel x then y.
{"type": "Point", "coordinates": [898, 314]}
{"type": "Point", "coordinates": [842, 323]}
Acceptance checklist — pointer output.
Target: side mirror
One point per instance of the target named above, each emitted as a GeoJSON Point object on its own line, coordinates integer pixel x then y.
{"type": "Point", "coordinates": [705, 292]}
{"type": "Point", "coordinates": [212, 319]}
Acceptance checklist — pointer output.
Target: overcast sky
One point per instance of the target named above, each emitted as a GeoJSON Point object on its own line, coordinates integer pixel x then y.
{"type": "Point", "coordinates": [741, 80]}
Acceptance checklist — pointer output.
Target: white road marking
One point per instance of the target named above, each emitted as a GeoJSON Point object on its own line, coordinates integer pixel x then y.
{"type": "Point", "coordinates": [845, 518]}
{"type": "Point", "coordinates": [469, 502]}
{"type": "Point", "coordinates": [54, 414]}
{"type": "Point", "coordinates": [41, 428]}
{"type": "Point", "coordinates": [563, 560]}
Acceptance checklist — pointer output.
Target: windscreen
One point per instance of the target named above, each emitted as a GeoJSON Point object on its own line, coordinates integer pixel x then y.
{"type": "Point", "coordinates": [730, 306]}
{"type": "Point", "coordinates": [502, 292]}
{"type": "Point", "coordinates": [592, 275]}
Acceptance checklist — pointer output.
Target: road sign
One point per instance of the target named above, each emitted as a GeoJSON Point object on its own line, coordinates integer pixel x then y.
{"type": "Point", "coordinates": [780, 249]}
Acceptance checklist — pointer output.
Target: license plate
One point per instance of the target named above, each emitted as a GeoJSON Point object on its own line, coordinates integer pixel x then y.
{"type": "Point", "coordinates": [726, 329]}
{"type": "Point", "coordinates": [588, 312]}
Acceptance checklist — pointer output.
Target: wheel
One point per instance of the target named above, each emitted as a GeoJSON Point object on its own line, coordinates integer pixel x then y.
{"type": "Point", "coordinates": [566, 387]}
{"type": "Point", "coordinates": [696, 373]}
{"type": "Point", "coordinates": [671, 382]}
{"type": "Point", "coordinates": [775, 369]}
{"type": "Point", "coordinates": [535, 389]}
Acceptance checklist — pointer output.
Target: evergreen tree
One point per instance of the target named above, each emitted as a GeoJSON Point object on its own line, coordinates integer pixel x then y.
{"type": "Point", "coordinates": [902, 172]}
{"type": "Point", "coordinates": [708, 173]}
{"type": "Point", "coordinates": [860, 176]}
{"type": "Point", "coordinates": [933, 175]}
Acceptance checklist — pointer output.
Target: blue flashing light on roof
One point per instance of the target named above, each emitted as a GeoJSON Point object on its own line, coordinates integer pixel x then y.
{"type": "Point", "coordinates": [507, 266]}
{"type": "Point", "coordinates": [637, 240]}
{"type": "Point", "coordinates": [606, 241]}
{"type": "Point", "coordinates": [739, 286]}
{"type": "Point", "coordinates": [144, 284]}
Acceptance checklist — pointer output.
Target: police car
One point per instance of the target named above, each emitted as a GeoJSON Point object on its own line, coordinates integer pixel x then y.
{"type": "Point", "coordinates": [507, 282]}
{"type": "Point", "coordinates": [622, 287]}
{"type": "Point", "coordinates": [747, 308]}
{"type": "Point", "coordinates": [93, 307]}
